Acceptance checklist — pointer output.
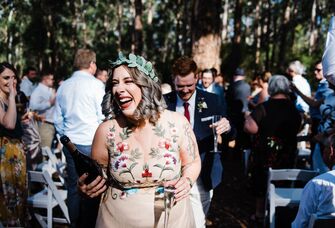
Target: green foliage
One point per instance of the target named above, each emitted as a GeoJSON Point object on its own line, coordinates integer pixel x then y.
{"type": "Point", "coordinates": [46, 34]}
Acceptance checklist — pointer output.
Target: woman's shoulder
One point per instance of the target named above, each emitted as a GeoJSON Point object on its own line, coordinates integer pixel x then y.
{"type": "Point", "coordinates": [106, 125]}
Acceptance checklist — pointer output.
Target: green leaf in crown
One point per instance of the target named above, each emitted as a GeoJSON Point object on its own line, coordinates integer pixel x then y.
{"type": "Point", "coordinates": [136, 61]}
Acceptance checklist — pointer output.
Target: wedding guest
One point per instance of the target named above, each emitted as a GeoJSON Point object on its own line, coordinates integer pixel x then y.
{"type": "Point", "coordinates": [78, 115]}
{"type": "Point", "coordinates": [28, 82]}
{"type": "Point", "coordinates": [13, 186]}
{"type": "Point", "coordinates": [199, 107]}
{"type": "Point", "coordinates": [143, 148]}
{"type": "Point", "coordinates": [318, 196]}
{"type": "Point", "coordinates": [275, 124]}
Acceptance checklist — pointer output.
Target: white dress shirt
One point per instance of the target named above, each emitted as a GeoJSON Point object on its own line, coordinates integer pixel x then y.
{"type": "Point", "coordinates": [78, 107]}
{"type": "Point", "coordinates": [27, 86]}
{"type": "Point", "coordinates": [302, 84]}
{"type": "Point", "coordinates": [40, 101]}
{"type": "Point", "coordinates": [317, 197]}
{"type": "Point", "coordinates": [191, 108]}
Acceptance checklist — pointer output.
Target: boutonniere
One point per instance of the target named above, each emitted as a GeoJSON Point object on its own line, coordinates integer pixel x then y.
{"type": "Point", "coordinates": [201, 104]}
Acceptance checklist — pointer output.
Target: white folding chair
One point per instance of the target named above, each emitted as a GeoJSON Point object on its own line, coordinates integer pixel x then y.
{"type": "Point", "coordinates": [322, 221]}
{"type": "Point", "coordinates": [283, 197]}
{"type": "Point", "coordinates": [55, 164]}
{"type": "Point", "coordinates": [48, 198]}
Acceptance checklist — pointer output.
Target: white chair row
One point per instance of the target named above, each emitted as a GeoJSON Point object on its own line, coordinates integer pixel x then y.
{"type": "Point", "coordinates": [48, 198]}
{"type": "Point", "coordinates": [285, 196]}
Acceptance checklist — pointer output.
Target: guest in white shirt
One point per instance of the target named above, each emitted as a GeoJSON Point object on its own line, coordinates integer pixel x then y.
{"type": "Point", "coordinates": [77, 115]}
{"type": "Point", "coordinates": [295, 70]}
{"type": "Point", "coordinates": [318, 196]}
{"type": "Point", "coordinates": [42, 101]}
{"type": "Point", "coordinates": [28, 82]}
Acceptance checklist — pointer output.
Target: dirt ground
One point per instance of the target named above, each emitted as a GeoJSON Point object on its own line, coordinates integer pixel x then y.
{"type": "Point", "coordinates": [233, 202]}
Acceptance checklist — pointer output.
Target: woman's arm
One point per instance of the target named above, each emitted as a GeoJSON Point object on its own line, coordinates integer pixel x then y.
{"type": "Point", "coordinates": [250, 125]}
{"type": "Point", "coordinates": [190, 161]}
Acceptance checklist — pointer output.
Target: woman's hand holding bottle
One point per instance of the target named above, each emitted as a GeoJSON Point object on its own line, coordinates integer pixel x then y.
{"type": "Point", "coordinates": [93, 189]}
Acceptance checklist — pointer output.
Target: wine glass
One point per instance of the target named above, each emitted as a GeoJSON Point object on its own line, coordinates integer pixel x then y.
{"type": "Point", "coordinates": [168, 202]}
{"type": "Point", "coordinates": [215, 119]}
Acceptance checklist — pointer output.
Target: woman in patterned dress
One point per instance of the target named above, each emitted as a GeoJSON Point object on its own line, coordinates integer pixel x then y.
{"type": "Point", "coordinates": [12, 158]}
{"type": "Point", "coordinates": [144, 148]}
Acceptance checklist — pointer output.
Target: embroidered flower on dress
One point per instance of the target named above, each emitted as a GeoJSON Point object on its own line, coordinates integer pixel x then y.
{"type": "Point", "coordinates": [111, 135]}
{"type": "Point", "coordinates": [120, 162]}
{"type": "Point", "coordinates": [169, 158]}
{"type": "Point", "coordinates": [164, 143]}
{"type": "Point", "coordinates": [146, 173]}
{"type": "Point", "coordinates": [122, 146]}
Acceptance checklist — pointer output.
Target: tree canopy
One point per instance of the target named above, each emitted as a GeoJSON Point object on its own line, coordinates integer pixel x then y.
{"type": "Point", "coordinates": [254, 34]}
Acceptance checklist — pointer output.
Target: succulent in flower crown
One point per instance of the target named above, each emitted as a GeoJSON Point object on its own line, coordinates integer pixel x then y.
{"type": "Point", "coordinates": [136, 61]}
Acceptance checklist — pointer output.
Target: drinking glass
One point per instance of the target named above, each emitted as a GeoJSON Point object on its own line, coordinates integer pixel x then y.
{"type": "Point", "coordinates": [168, 203]}
{"type": "Point", "coordinates": [215, 119]}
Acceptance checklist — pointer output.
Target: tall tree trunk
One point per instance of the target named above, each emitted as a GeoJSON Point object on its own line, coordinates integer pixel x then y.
{"type": "Point", "coordinates": [284, 29]}
{"type": "Point", "coordinates": [138, 31]}
{"type": "Point", "coordinates": [119, 24]}
{"type": "Point", "coordinates": [149, 30]}
{"type": "Point", "coordinates": [258, 32]}
{"type": "Point", "coordinates": [10, 37]}
{"type": "Point", "coordinates": [178, 43]}
{"type": "Point", "coordinates": [275, 37]}
{"type": "Point", "coordinates": [313, 29]}
{"type": "Point", "coordinates": [236, 55]}
{"type": "Point", "coordinates": [225, 13]}
{"type": "Point", "coordinates": [187, 25]}
{"type": "Point", "coordinates": [206, 33]}
{"type": "Point", "coordinates": [267, 33]}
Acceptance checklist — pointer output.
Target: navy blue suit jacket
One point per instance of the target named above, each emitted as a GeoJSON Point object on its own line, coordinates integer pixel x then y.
{"type": "Point", "coordinates": [211, 170]}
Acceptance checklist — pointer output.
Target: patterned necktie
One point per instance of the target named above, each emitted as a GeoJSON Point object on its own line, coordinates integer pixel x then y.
{"type": "Point", "coordinates": [186, 112]}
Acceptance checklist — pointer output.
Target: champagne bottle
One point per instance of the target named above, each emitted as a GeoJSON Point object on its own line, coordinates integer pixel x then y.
{"type": "Point", "coordinates": [83, 163]}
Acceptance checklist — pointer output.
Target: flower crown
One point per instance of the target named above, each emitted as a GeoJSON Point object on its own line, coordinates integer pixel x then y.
{"type": "Point", "coordinates": [136, 61]}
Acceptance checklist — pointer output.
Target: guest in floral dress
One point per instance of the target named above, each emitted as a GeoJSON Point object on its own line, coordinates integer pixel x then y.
{"type": "Point", "coordinates": [12, 158]}
{"type": "Point", "coordinates": [144, 148]}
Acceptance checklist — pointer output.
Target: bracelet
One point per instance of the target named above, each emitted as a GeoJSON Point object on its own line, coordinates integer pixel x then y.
{"type": "Point", "coordinates": [189, 181]}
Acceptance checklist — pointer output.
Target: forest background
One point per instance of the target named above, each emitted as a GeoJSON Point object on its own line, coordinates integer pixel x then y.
{"type": "Point", "coordinates": [257, 35]}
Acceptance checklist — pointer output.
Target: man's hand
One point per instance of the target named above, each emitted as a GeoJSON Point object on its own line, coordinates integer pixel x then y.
{"type": "Point", "coordinates": [222, 126]}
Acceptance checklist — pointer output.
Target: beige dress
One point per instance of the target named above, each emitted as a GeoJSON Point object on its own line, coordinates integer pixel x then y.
{"type": "Point", "coordinates": [135, 197]}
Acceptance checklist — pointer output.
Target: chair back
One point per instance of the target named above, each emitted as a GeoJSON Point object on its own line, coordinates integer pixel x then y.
{"type": "Point", "coordinates": [53, 192]}
{"type": "Point", "coordinates": [322, 221]}
{"type": "Point", "coordinates": [57, 165]}
{"type": "Point", "coordinates": [291, 174]}
{"type": "Point", "coordinates": [279, 196]}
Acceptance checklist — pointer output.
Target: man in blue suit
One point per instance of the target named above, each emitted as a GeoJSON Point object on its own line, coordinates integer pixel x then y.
{"type": "Point", "coordinates": [199, 107]}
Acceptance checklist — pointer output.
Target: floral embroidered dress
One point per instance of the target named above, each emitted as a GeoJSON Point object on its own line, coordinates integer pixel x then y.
{"type": "Point", "coordinates": [13, 188]}
{"type": "Point", "coordinates": [135, 195]}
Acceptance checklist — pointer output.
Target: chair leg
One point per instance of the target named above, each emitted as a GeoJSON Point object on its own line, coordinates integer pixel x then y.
{"type": "Point", "coordinates": [272, 215]}
{"type": "Point", "coordinates": [40, 220]}
{"type": "Point", "coordinates": [49, 212]}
